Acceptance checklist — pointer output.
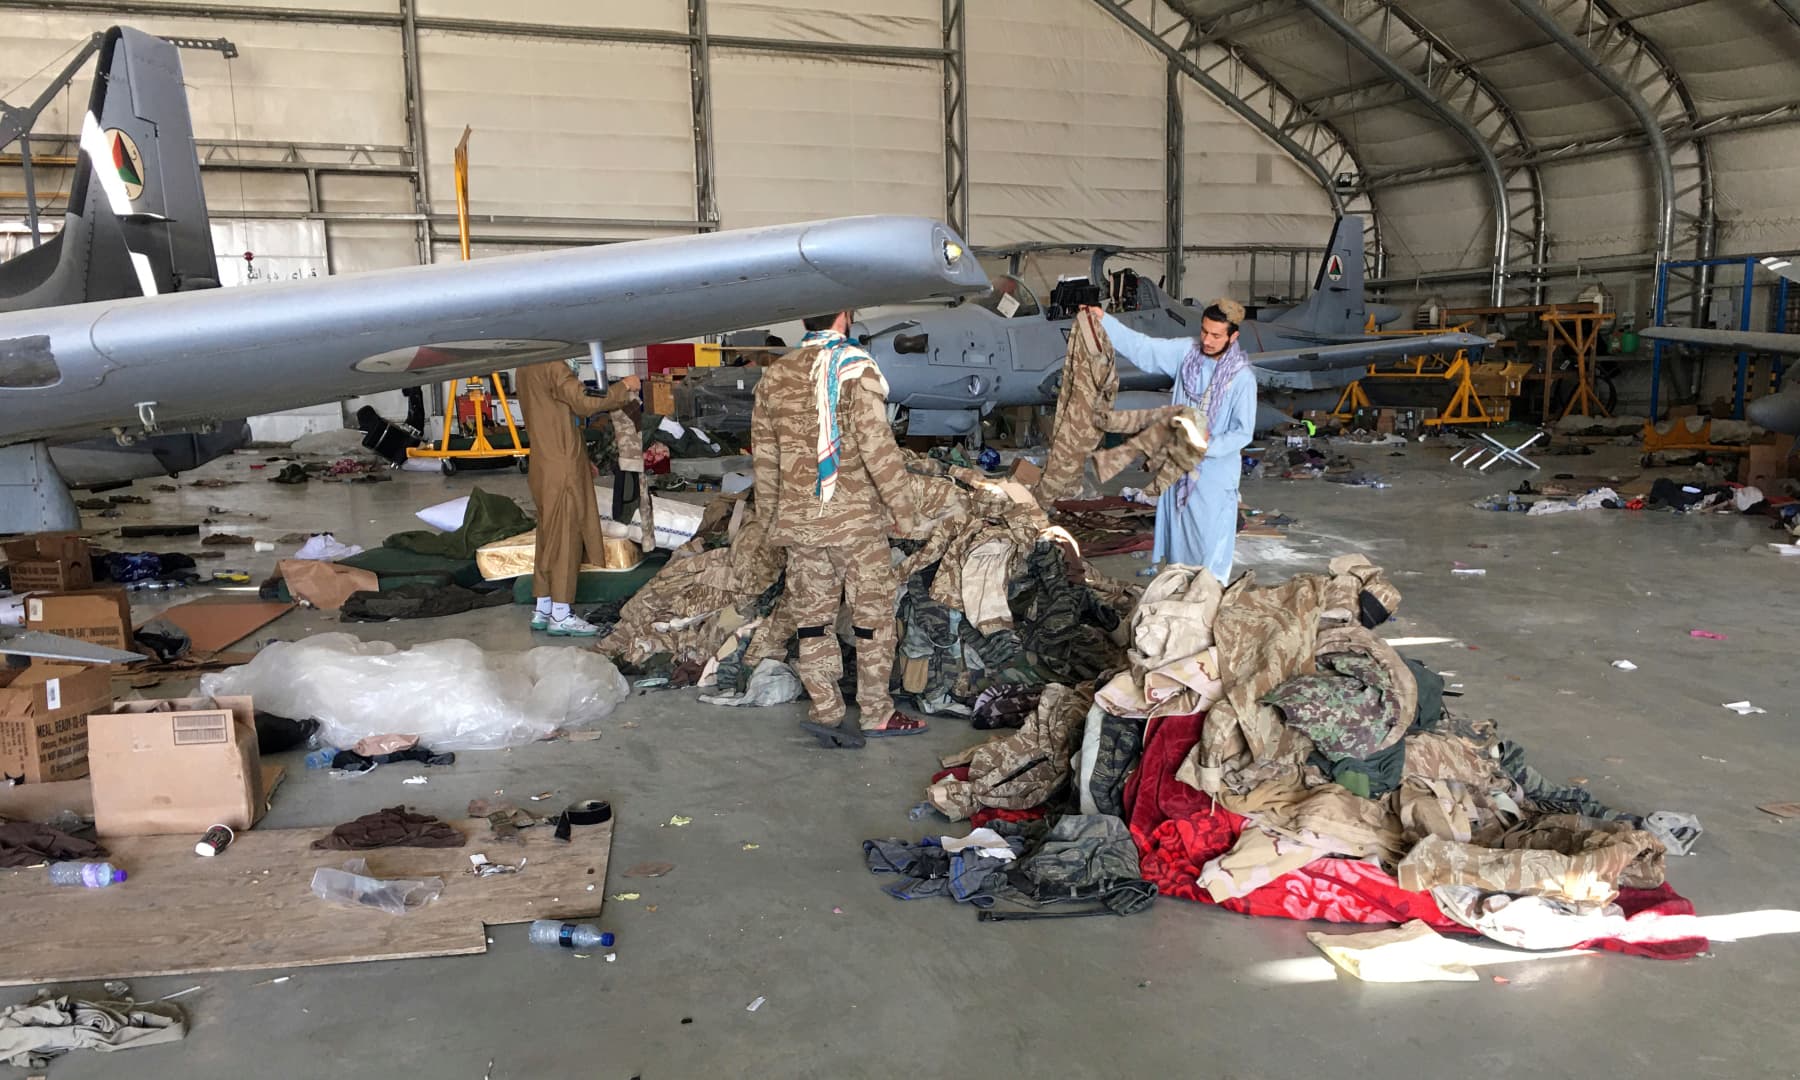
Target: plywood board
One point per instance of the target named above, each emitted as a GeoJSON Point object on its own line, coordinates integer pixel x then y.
{"type": "Point", "coordinates": [251, 908]}
{"type": "Point", "coordinates": [213, 625]}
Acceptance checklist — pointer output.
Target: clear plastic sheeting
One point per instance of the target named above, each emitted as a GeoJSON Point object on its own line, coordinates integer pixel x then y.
{"type": "Point", "coordinates": [452, 694]}
{"type": "Point", "coordinates": [353, 887]}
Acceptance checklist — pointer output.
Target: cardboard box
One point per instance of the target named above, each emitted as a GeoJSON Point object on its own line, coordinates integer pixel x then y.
{"type": "Point", "coordinates": [49, 562]}
{"type": "Point", "coordinates": [1025, 471]}
{"type": "Point", "coordinates": [98, 616]}
{"type": "Point", "coordinates": [43, 719]}
{"type": "Point", "coordinates": [1765, 466]}
{"type": "Point", "coordinates": [659, 395]}
{"type": "Point", "coordinates": [181, 770]}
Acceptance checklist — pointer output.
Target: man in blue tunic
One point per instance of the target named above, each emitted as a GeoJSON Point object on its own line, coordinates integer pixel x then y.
{"type": "Point", "coordinates": [1196, 519]}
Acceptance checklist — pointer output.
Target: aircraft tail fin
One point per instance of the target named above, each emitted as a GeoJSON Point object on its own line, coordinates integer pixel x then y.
{"type": "Point", "coordinates": [1336, 306]}
{"type": "Point", "coordinates": [136, 223]}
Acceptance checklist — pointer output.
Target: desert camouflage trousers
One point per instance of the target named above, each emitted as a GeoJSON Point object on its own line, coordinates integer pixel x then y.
{"type": "Point", "coordinates": [818, 578]}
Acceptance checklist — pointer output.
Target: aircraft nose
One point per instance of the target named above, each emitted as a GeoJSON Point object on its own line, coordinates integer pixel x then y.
{"type": "Point", "coordinates": [912, 255]}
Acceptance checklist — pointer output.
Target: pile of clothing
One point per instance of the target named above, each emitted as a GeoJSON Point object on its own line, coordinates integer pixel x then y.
{"type": "Point", "coordinates": [1268, 752]}
{"type": "Point", "coordinates": [994, 596]}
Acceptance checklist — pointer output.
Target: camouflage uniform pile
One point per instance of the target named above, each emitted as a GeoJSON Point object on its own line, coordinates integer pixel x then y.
{"type": "Point", "coordinates": [1046, 614]}
{"type": "Point", "coordinates": [1271, 753]}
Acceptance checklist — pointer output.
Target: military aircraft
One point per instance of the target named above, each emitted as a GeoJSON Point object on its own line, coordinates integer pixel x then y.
{"type": "Point", "coordinates": [118, 326]}
{"type": "Point", "coordinates": [1779, 412]}
{"type": "Point", "coordinates": [948, 368]}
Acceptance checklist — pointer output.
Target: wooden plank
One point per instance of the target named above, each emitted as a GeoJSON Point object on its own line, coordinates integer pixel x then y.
{"type": "Point", "coordinates": [251, 908]}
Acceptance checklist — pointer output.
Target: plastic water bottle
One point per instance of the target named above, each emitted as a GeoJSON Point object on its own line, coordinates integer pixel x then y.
{"type": "Point", "coordinates": [95, 875]}
{"type": "Point", "coordinates": [321, 758]}
{"type": "Point", "coordinates": [569, 935]}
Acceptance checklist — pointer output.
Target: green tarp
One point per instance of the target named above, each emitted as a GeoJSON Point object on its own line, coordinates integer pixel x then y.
{"type": "Point", "coordinates": [488, 518]}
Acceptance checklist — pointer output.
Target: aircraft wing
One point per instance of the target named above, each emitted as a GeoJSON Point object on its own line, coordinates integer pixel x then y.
{"type": "Point", "coordinates": [1741, 340]}
{"type": "Point", "coordinates": [186, 358]}
{"type": "Point", "coordinates": [1359, 353]}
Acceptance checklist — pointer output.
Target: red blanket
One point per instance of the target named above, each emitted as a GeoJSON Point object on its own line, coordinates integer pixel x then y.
{"type": "Point", "coordinates": [1178, 830]}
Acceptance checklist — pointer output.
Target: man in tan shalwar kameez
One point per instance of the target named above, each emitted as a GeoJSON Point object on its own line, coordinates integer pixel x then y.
{"type": "Point", "coordinates": [562, 486]}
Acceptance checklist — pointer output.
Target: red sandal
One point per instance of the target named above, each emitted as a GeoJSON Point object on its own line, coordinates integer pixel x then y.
{"type": "Point", "coordinates": [898, 724]}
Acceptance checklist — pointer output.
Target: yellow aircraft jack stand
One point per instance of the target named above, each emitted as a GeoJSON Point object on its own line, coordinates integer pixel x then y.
{"type": "Point", "coordinates": [1465, 405]}
{"type": "Point", "coordinates": [474, 389]}
{"type": "Point", "coordinates": [477, 392]}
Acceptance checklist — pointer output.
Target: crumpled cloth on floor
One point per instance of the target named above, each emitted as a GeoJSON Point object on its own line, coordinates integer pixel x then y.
{"type": "Point", "coordinates": [981, 841]}
{"type": "Point", "coordinates": [1254, 861]}
{"type": "Point", "coordinates": [33, 1033]}
{"type": "Point", "coordinates": [1562, 855]}
{"type": "Point", "coordinates": [356, 761]}
{"type": "Point", "coordinates": [325, 547]}
{"type": "Point", "coordinates": [926, 869]}
{"type": "Point", "coordinates": [1411, 953]}
{"type": "Point", "coordinates": [772, 683]}
{"type": "Point", "coordinates": [417, 601]}
{"type": "Point", "coordinates": [1529, 922]}
{"type": "Point", "coordinates": [392, 827]}
{"type": "Point", "coordinates": [24, 843]}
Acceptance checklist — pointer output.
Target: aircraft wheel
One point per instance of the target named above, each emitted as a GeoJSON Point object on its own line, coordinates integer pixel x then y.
{"type": "Point", "coordinates": [449, 466]}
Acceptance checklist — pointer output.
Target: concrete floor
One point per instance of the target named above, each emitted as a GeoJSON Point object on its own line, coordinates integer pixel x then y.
{"type": "Point", "coordinates": [858, 984]}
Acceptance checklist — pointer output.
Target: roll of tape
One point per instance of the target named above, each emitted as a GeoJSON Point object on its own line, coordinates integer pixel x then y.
{"type": "Point", "coordinates": [583, 812]}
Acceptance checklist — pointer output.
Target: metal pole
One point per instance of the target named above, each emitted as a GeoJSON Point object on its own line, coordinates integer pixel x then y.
{"type": "Point", "coordinates": [31, 208]}
{"type": "Point", "coordinates": [1174, 179]}
{"type": "Point", "coordinates": [1418, 89]}
{"type": "Point", "coordinates": [415, 123]}
{"type": "Point", "coordinates": [1743, 358]}
{"type": "Point", "coordinates": [1656, 352]}
{"type": "Point", "coordinates": [956, 117]}
{"type": "Point", "coordinates": [706, 200]}
{"type": "Point", "coordinates": [1659, 147]}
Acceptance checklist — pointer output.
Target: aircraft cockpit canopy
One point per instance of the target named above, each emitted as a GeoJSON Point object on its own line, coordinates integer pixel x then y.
{"type": "Point", "coordinates": [1010, 298]}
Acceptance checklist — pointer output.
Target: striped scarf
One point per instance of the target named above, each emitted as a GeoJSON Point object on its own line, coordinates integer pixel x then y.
{"type": "Point", "coordinates": [837, 361]}
{"type": "Point", "coordinates": [1211, 397]}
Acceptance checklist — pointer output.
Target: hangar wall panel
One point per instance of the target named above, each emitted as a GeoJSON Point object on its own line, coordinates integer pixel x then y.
{"type": "Point", "coordinates": [1757, 174]}
{"type": "Point", "coordinates": [561, 128]}
{"type": "Point", "coordinates": [610, 14]}
{"type": "Point", "coordinates": [860, 22]}
{"type": "Point", "coordinates": [304, 84]}
{"type": "Point", "coordinates": [1066, 114]}
{"type": "Point", "coordinates": [1603, 206]}
{"type": "Point", "coordinates": [802, 138]}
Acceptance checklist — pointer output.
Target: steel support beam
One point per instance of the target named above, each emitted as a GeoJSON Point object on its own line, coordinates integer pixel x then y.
{"type": "Point", "coordinates": [495, 27]}
{"type": "Point", "coordinates": [706, 197]}
{"type": "Point", "coordinates": [1501, 200]}
{"type": "Point", "coordinates": [1116, 8]}
{"type": "Point", "coordinates": [415, 124]}
{"type": "Point", "coordinates": [1174, 180]}
{"type": "Point", "coordinates": [956, 117]}
{"type": "Point", "coordinates": [1674, 134]}
{"type": "Point", "coordinates": [1659, 147]}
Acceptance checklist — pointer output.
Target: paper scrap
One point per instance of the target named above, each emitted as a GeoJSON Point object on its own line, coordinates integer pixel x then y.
{"type": "Point", "coordinates": [542, 795]}
{"type": "Point", "coordinates": [1707, 635]}
{"type": "Point", "coordinates": [1624, 665]}
{"type": "Point", "coordinates": [625, 895]}
{"type": "Point", "coordinates": [678, 821]}
{"type": "Point", "coordinates": [1744, 708]}
{"type": "Point", "coordinates": [1470, 572]}
{"type": "Point", "coordinates": [1714, 760]}
{"type": "Point", "coordinates": [416, 780]}
{"type": "Point", "coordinates": [752, 847]}
{"type": "Point", "coordinates": [755, 1005]}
